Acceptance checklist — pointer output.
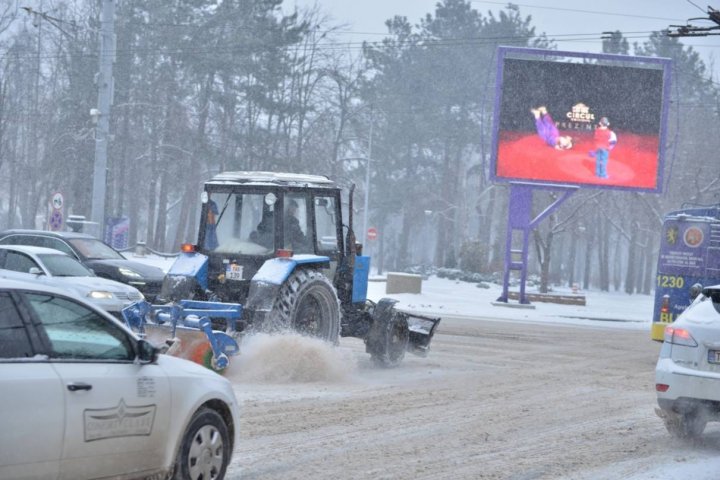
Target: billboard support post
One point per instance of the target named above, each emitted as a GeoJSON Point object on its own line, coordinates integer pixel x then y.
{"type": "Point", "coordinates": [519, 220]}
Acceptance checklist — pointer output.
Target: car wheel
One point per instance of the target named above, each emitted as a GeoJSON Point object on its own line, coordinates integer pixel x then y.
{"type": "Point", "coordinates": [686, 425]}
{"type": "Point", "coordinates": [205, 448]}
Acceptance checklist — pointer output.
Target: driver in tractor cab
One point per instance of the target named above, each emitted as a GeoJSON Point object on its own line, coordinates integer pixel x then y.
{"type": "Point", "coordinates": [265, 231]}
{"type": "Point", "coordinates": [211, 239]}
{"type": "Point", "coordinates": [295, 239]}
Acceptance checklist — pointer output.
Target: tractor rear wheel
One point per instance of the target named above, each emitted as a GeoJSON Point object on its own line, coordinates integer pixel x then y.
{"type": "Point", "coordinates": [308, 304]}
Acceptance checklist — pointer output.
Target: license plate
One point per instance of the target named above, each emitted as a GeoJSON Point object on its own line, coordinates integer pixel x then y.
{"type": "Point", "coordinates": [713, 356]}
{"type": "Point", "coordinates": [234, 272]}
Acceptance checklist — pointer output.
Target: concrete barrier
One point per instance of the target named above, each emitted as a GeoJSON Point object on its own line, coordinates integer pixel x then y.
{"type": "Point", "coordinates": [403, 283]}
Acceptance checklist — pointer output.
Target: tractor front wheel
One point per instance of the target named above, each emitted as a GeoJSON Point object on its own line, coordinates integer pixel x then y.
{"type": "Point", "coordinates": [308, 304]}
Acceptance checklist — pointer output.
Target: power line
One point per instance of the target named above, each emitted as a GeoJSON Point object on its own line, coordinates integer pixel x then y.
{"type": "Point", "coordinates": [337, 46]}
{"type": "Point", "coordinates": [689, 30]}
{"type": "Point", "coordinates": [574, 10]}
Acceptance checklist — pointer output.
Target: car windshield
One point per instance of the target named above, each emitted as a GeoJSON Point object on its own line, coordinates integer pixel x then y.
{"type": "Point", "coordinates": [93, 249]}
{"type": "Point", "coordinates": [60, 265]}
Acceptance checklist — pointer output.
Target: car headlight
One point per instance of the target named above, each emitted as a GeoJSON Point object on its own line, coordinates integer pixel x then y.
{"type": "Point", "coordinates": [129, 273]}
{"type": "Point", "coordinates": [100, 295]}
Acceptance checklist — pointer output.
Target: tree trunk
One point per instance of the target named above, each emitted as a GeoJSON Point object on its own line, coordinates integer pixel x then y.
{"type": "Point", "coordinates": [402, 248]}
{"type": "Point", "coordinates": [631, 262]}
{"type": "Point", "coordinates": [572, 256]}
{"type": "Point", "coordinates": [591, 234]}
{"type": "Point", "coordinates": [603, 256]}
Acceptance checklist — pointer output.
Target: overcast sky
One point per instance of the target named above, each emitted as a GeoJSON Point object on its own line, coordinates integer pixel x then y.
{"type": "Point", "coordinates": [576, 25]}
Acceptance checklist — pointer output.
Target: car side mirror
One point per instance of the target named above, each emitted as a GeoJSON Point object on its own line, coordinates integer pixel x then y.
{"type": "Point", "coordinates": [35, 271]}
{"type": "Point", "coordinates": [146, 352]}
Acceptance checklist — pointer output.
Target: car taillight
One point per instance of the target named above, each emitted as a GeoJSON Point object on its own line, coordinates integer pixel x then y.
{"type": "Point", "coordinates": [187, 248]}
{"type": "Point", "coordinates": [661, 387]}
{"type": "Point", "coordinates": [679, 336]}
{"type": "Point", "coordinates": [282, 253]}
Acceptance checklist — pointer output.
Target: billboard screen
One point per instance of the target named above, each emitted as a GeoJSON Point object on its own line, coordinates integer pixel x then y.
{"type": "Point", "coordinates": [580, 119]}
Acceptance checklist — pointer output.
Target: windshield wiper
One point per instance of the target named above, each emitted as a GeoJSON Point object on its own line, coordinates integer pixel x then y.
{"type": "Point", "coordinates": [223, 210]}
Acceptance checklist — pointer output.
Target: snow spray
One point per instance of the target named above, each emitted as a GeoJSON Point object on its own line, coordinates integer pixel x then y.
{"type": "Point", "coordinates": [289, 358]}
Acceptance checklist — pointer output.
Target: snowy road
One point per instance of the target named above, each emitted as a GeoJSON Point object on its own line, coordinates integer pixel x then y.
{"type": "Point", "coordinates": [554, 392]}
{"type": "Point", "coordinates": [494, 400]}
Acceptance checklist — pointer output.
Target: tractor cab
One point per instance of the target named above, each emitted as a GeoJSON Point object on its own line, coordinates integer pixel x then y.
{"type": "Point", "coordinates": [248, 218]}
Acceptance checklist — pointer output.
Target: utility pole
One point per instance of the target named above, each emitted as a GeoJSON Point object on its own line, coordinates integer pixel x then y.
{"type": "Point", "coordinates": [366, 206]}
{"type": "Point", "coordinates": [105, 85]}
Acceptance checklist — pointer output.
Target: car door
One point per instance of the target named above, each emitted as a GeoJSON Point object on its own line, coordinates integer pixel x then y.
{"type": "Point", "coordinates": [117, 410]}
{"type": "Point", "coordinates": [17, 266]}
{"type": "Point", "coordinates": [31, 399]}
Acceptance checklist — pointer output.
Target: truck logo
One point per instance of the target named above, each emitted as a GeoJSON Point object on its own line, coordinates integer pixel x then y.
{"type": "Point", "coordinates": [693, 237]}
{"type": "Point", "coordinates": [121, 421]}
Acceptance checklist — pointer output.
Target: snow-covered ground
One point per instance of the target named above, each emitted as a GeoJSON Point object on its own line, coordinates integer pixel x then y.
{"type": "Point", "coordinates": [615, 310]}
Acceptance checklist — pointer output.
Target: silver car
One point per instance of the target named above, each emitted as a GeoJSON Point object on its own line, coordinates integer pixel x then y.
{"type": "Point", "coordinates": [52, 267]}
{"type": "Point", "coordinates": [687, 375]}
{"type": "Point", "coordinates": [85, 398]}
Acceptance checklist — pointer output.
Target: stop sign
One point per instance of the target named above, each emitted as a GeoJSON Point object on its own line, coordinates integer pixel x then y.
{"type": "Point", "coordinates": [372, 233]}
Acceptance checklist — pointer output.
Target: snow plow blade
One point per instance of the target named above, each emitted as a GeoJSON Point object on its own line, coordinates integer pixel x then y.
{"type": "Point", "coordinates": [185, 330]}
{"type": "Point", "coordinates": [422, 329]}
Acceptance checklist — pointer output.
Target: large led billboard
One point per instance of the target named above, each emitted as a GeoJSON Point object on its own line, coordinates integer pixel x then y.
{"type": "Point", "coordinates": [591, 120]}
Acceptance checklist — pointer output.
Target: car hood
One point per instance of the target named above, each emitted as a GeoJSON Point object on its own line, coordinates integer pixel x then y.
{"type": "Point", "coordinates": [147, 271]}
{"type": "Point", "coordinates": [186, 368]}
{"type": "Point", "coordinates": [86, 284]}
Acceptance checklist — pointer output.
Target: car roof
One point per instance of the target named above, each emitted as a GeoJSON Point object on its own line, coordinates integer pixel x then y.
{"type": "Point", "coordinates": [33, 249]}
{"type": "Point", "coordinates": [45, 233]}
{"type": "Point", "coordinates": [8, 284]}
{"type": "Point", "coordinates": [271, 178]}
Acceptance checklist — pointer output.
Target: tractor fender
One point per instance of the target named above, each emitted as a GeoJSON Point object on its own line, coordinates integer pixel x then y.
{"type": "Point", "coordinates": [266, 283]}
{"type": "Point", "coordinates": [187, 275]}
{"type": "Point", "coordinates": [193, 265]}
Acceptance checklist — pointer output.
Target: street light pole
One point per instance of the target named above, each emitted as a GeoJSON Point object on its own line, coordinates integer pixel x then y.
{"type": "Point", "coordinates": [366, 205]}
{"type": "Point", "coordinates": [105, 93]}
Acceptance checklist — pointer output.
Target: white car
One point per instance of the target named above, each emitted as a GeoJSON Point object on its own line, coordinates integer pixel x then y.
{"type": "Point", "coordinates": [55, 268]}
{"type": "Point", "coordinates": [84, 398]}
{"type": "Point", "coordinates": [687, 375]}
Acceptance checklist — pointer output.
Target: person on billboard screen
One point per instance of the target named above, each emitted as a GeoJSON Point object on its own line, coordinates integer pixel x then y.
{"type": "Point", "coordinates": [605, 140]}
{"type": "Point", "coordinates": [548, 131]}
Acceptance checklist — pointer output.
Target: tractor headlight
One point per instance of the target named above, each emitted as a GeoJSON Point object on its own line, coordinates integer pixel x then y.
{"type": "Point", "coordinates": [129, 273]}
{"type": "Point", "coordinates": [100, 295]}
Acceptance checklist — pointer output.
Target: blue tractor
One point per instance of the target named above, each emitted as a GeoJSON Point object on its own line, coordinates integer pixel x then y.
{"type": "Point", "coordinates": [275, 245]}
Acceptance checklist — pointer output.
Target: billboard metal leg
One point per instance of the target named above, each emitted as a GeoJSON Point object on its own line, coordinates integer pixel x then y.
{"type": "Point", "coordinates": [519, 220]}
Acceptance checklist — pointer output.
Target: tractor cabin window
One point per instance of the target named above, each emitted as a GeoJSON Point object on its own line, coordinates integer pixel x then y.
{"type": "Point", "coordinates": [326, 224]}
{"type": "Point", "coordinates": [296, 235]}
{"type": "Point", "coordinates": [240, 224]}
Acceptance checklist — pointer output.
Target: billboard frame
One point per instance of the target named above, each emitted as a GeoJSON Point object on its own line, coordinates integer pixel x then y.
{"type": "Point", "coordinates": [664, 64]}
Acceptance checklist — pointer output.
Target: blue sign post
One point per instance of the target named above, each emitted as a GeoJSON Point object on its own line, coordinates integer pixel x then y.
{"type": "Point", "coordinates": [519, 220]}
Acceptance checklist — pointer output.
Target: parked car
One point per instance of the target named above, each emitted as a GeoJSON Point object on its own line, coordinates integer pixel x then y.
{"type": "Point", "coordinates": [105, 261]}
{"type": "Point", "coordinates": [687, 374]}
{"type": "Point", "coordinates": [52, 267]}
{"type": "Point", "coordinates": [83, 397]}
